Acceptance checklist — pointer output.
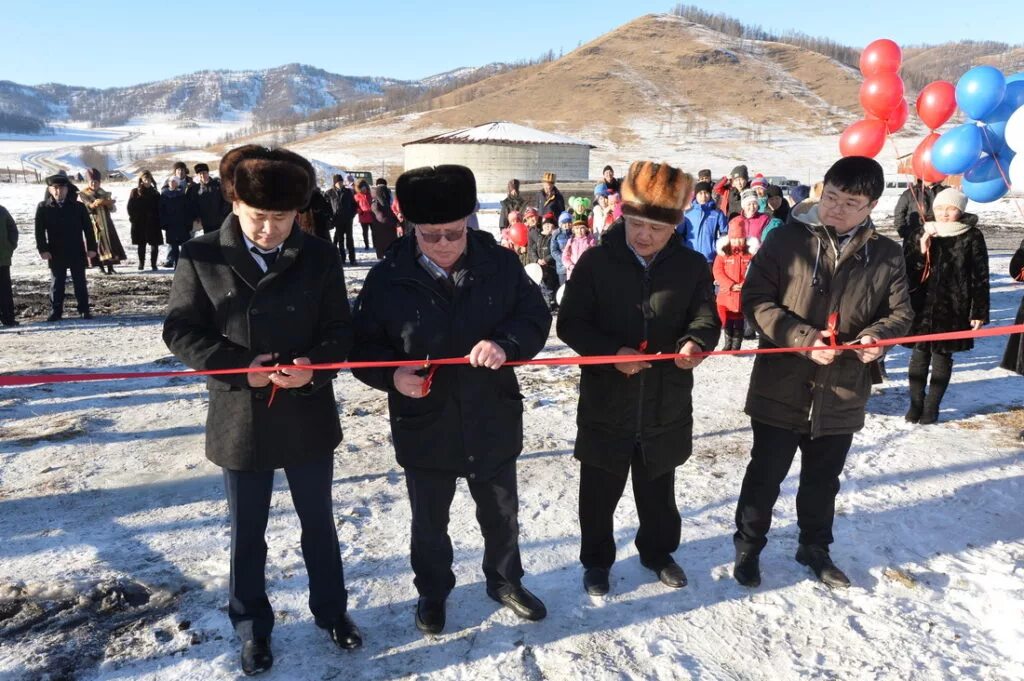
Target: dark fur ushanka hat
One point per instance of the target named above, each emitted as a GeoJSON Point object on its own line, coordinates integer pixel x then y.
{"type": "Point", "coordinates": [269, 179]}
{"type": "Point", "coordinates": [656, 192]}
{"type": "Point", "coordinates": [436, 195]}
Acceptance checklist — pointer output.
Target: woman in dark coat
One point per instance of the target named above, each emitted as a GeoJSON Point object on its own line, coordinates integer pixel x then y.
{"type": "Point", "coordinates": [947, 267]}
{"type": "Point", "coordinates": [258, 292]}
{"type": "Point", "coordinates": [385, 224]}
{"type": "Point", "coordinates": [175, 218]}
{"type": "Point", "coordinates": [144, 215]}
{"type": "Point", "coordinates": [640, 291]}
{"type": "Point", "coordinates": [1013, 357]}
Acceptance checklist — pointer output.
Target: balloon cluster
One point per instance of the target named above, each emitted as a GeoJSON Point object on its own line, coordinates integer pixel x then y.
{"type": "Point", "coordinates": [983, 148]}
{"type": "Point", "coordinates": [881, 95]}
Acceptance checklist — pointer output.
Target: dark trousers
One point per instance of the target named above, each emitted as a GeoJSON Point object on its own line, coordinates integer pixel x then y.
{"type": "Point", "coordinates": [154, 252]}
{"type": "Point", "coordinates": [344, 241]}
{"type": "Point", "coordinates": [6, 295]}
{"type": "Point", "coordinates": [248, 494]}
{"type": "Point", "coordinates": [366, 234]}
{"type": "Point", "coordinates": [497, 512]}
{"type": "Point", "coordinates": [922, 358]}
{"type": "Point", "coordinates": [660, 525]}
{"type": "Point", "coordinates": [821, 462]}
{"type": "Point", "coordinates": [172, 255]}
{"type": "Point", "coordinates": [58, 279]}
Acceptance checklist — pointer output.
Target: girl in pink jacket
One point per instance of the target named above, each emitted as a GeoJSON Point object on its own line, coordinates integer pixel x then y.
{"type": "Point", "coordinates": [581, 240]}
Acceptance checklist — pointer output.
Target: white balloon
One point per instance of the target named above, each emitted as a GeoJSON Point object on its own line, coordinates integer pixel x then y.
{"type": "Point", "coordinates": [1015, 131]}
{"type": "Point", "coordinates": [535, 272]}
{"type": "Point", "coordinates": [1017, 172]}
{"type": "Point", "coordinates": [559, 293]}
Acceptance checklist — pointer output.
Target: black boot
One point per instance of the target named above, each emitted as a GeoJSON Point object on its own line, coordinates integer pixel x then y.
{"type": "Point", "coordinates": [345, 633]}
{"type": "Point", "coordinates": [737, 341]}
{"type": "Point", "coordinates": [430, 615]}
{"type": "Point", "coordinates": [595, 581]}
{"type": "Point", "coordinates": [727, 339]}
{"type": "Point", "coordinates": [917, 375]}
{"type": "Point", "coordinates": [817, 558]}
{"type": "Point", "coordinates": [942, 371]}
{"type": "Point", "coordinates": [747, 569]}
{"type": "Point", "coordinates": [256, 656]}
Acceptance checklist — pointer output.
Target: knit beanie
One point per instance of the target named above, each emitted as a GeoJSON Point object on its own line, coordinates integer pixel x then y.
{"type": "Point", "coordinates": [565, 218]}
{"type": "Point", "coordinates": [702, 187]}
{"type": "Point", "coordinates": [950, 197]}
{"type": "Point", "coordinates": [741, 171]}
{"type": "Point", "coordinates": [759, 181]}
{"type": "Point", "coordinates": [747, 196]}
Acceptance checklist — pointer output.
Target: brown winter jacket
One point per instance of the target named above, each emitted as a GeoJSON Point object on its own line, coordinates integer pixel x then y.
{"type": "Point", "coordinates": [794, 283]}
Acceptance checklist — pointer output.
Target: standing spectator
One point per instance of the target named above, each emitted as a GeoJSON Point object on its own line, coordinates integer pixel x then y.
{"type": "Point", "coordinates": [639, 292]}
{"type": "Point", "coordinates": [385, 224]}
{"type": "Point", "coordinates": [798, 194]}
{"type": "Point", "coordinates": [739, 179]}
{"type": "Point", "coordinates": [947, 267]}
{"type": "Point", "coordinates": [706, 223]}
{"type": "Point", "coordinates": [144, 216]}
{"type": "Point", "coordinates": [550, 200]}
{"type": "Point", "coordinates": [180, 171]}
{"type": "Point", "coordinates": [735, 251]}
{"type": "Point", "coordinates": [315, 218]}
{"type": "Point", "coordinates": [8, 242]}
{"type": "Point", "coordinates": [364, 210]}
{"type": "Point", "coordinates": [174, 219]}
{"type": "Point", "coordinates": [453, 292]}
{"type": "Point", "coordinates": [473, 222]}
{"type": "Point", "coordinates": [778, 210]}
{"type": "Point", "coordinates": [539, 252]}
{"type": "Point", "coordinates": [760, 187]}
{"type": "Point", "coordinates": [751, 211]}
{"type": "Point", "coordinates": [704, 175]}
{"type": "Point", "coordinates": [908, 217]}
{"type": "Point", "coordinates": [206, 200]}
{"type": "Point", "coordinates": [343, 211]}
{"type": "Point", "coordinates": [101, 204]}
{"type": "Point", "coordinates": [559, 241]}
{"type": "Point", "coordinates": [513, 201]}
{"type": "Point", "coordinates": [827, 276]}
{"type": "Point", "coordinates": [721, 193]}
{"type": "Point", "coordinates": [65, 240]}
{"type": "Point", "coordinates": [260, 292]}
{"type": "Point", "coordinates": [582, 241]}
{"type": "Point", "coordinates": [600, 213]}
{"type": "Point", "coordinates": [610, 181]}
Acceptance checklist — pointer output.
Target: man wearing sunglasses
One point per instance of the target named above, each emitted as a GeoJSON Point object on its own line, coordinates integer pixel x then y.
{"type": "Point", "coordinates": [447, 291]}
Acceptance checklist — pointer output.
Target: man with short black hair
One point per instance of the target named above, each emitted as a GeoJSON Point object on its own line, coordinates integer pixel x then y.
{"type": "Point", "coordinates": [206, 200]}
{"type": "Point", "coordinates": [613, 183]}
{"type": "Point", "coordinates": [343, 211]}
{"type": "Point", "coordinates": [738, 181]}
{"type": "Point", "coordinates": [825, 277]}
{"type": "Point", "coordinates": [65, 239]}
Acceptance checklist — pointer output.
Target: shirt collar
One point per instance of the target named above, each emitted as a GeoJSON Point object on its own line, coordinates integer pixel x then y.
{"type": "Point", "coordinates": [249, 245]}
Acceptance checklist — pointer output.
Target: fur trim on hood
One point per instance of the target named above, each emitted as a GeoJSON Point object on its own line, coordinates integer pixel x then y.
{"type": "Point", "coordinates": [753, 243]}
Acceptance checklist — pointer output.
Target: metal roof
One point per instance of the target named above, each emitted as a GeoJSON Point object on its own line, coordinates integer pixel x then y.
{"type": "Point", "coordinates": [500, 132]}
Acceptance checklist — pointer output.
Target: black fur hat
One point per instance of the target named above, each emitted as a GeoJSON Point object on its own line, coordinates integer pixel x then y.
{"type": "Point", "coordinates": [201, 168]}
{"type": "Point", "coordinates": [437, 195]}
{"type": "Point", "coordinates": [271, 179]}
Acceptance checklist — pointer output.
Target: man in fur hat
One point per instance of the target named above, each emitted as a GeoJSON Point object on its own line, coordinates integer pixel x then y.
{"type": "Point", "coordinates": [550, 199]}
{"type": "Point", "coordinates": [260, 292]}
{"type": "Point", "coordinates": [447, 291]}
{"type": "Point", "coordinates": [640, 292]}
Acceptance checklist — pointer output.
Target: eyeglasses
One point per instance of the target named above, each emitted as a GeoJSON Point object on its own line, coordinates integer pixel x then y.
{"type": "Point", "coordinates": [845, 207]}
{"type": "Point", "coordinates": [436, 238]}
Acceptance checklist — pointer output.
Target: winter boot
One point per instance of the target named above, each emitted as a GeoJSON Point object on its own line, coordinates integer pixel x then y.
{"type": "Point", "coordinates": [942, 371]}
{"type": "Point", "coordinates": [817, 558]}
{"type": "Point", "coordinates": [737, 341]}
{"type": "Point", "coordinates": [727, 337]}
{"type": "Point", "coordinates": [917, 375]}
{"type": "Point", "coordinates": [747, 569]}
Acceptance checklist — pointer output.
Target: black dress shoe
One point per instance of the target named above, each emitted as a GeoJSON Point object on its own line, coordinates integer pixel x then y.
{"type": "Point", "coordinates": [747, 569]}
{"type": "Point", "coordinates": [669, 573]}
{"type": "Point", "coordinates": [520, 601]}
{"type": "Point", "coordinates": [256, 656]}
{"type": "Point", "coordinates": [54, 317]}
{"type": "Point", "coordinates": [346, 634]}
{"type": "Point", "coordinates": [817, 558]}
{"type": "Point", "coordinates": [595, 581]}
{"type": "Point", "coordinates": [430, 616]}
{"type": "Point", "coordinates": [87, 315]}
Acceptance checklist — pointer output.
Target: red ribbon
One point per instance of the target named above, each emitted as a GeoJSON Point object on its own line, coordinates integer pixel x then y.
{"type": "Point", "coordinates": [34, 379]}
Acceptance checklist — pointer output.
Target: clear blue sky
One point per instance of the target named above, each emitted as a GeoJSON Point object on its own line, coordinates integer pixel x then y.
{"type": "Point", "coordinates": [109, 43]}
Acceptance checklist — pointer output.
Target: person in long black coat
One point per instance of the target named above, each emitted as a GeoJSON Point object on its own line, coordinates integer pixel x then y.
{"type": "Point", "coordinates": [144, 216]}
{"type": "Point", "coordinates": [448, 291]}
{"type": "Point", "coordinates": [256, 292]}
{"type": "Point", "coordinates": [385, 222]}
{"type": "Point", "coordinates": [512, 203]}
{"type": "Point", "coordinates": [66, 240]}
{"type": "Point", "coordinates": [206, 201]}
{"type": "Point", "coordinates": [538, 251]}
{"type": "Point", "coordinates": [907, 217]}
{"type": "Point", "coordinates": [343, 211]}
{"type": "Point", "coordinates": [1013, 356]}
{"type": "Point", "coordinates": [175, 219]}
{"type": "Point", "coordinates": [947, 266]}
{"type": "Point", "coordinates": [640, 291]}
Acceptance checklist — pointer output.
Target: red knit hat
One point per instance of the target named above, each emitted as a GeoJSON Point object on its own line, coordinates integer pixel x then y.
{"type": "Point", "coordinates": [738, 227]}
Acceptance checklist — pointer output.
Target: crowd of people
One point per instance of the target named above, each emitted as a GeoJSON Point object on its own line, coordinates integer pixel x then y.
{"type": "Point", "coordinates": [655, 262]}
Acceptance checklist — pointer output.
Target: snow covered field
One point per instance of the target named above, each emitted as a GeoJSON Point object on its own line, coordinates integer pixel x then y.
{"type": "Point", "coordinates": [114, 542]}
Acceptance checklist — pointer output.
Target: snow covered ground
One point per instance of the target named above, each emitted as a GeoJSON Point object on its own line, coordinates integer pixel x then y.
{"type": "Point", "coordinates": [114, 542]}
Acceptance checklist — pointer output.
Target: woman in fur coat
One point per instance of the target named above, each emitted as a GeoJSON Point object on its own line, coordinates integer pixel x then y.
{"type": "Point", "coordinates": [947, 267]}
{"type": "Point", "coordinates": [101, 204]}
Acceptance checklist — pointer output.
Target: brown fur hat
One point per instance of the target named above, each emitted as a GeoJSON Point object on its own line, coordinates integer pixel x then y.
{"type": "Point", "coordinates": [270, 179]}
{"type": "Point", "coordinates": [656, 192]}
{"type": "Point", "coordinates": [548, 177]}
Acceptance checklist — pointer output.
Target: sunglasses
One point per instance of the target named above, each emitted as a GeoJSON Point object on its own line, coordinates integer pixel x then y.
{"type": "Point", "coordinates": [435, 238]}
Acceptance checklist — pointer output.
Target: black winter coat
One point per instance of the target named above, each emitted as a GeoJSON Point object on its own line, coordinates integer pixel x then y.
{"type": "Point", "coordinates": [64, 231]}
{"type": "Point", "coordinates": [555, 203]}
{"type": "Point", "coordinates": [957, 288]}
{"type": "Point", "coordinates": [471, 421]}
{"type": "Point", "coordinates": [613, 302]}
{"type": "Point", "coordinates": [207, 204]}
{"type": "Point", "coordinates": [343, 207]}
{"type": "Point", "coordinates": [907, 216]}
{"type": "Point", "coordinates": [539, 248]}
{"type": "Point", "coordinates": [144, 215]}
{"type": "Point", "coordinates": [175, 216]}
{"type": "Point", "coordinates": [224, 310]}
{"type": "Point", "coordinates": [508, 204]}
{"type": "Point", "coordinates": [1013, 357]}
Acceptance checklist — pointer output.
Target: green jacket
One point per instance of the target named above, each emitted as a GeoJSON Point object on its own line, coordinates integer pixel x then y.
{"type": "Point", "coordinates": [8, 237]}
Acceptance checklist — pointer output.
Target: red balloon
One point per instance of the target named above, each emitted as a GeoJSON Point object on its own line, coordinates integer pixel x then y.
{"type": "Point", "coordinates": [863, 138]}
{"type": "Point", "coordinates": [881, 94]}
{"type": "Point", "coordinates": [518, 234]}
{"type": "Point", "coordinates": [936, 103]}
{"type": "Point", "coordinates": [881, 56]}
{"type": "Point", "coordinates": [922, 161]}
{"type": "Point", "coordinates": [899, 117]}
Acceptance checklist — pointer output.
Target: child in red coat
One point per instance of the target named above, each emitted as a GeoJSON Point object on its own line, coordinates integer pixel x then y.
{"type": "Point", "coordinates": [730, 270]}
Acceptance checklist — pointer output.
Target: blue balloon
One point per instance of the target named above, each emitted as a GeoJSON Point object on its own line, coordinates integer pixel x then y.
{"type": "Point", "coordinates": [980, 90]}
{"type": "Point", "coordinates": [985, 182]}
{"type": "Point", "coordinates": [1015, 77]}
{"type": "Point", "coordinates": [1012, 100]}
{"type": "Point", "coordinates": [958, 149]}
